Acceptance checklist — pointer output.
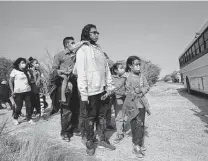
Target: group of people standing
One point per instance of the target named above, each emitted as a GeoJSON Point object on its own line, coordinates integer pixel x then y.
{"type": "Point", "coordinates": [84, 88]}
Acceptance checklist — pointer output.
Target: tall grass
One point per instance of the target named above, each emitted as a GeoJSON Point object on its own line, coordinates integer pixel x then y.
{"type": "Point", "coordinates": [34, 148]}
{"type": "Point", "coordinates": [46, 63]}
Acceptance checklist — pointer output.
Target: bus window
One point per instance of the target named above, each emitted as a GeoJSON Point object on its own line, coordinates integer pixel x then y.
{"type": "Point", "coordinates": [201, 40]}
{"type": "Point", "coordinates": [206, 38]}
{"type": "Point", "coordinates": [189, 55]}
{"type": "Point", "coordinates": [196, 47]}
{"type": "Point", "coordinates": [193, 50]}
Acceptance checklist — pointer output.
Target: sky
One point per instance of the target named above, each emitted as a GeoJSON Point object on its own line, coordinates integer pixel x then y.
{"type": "Point", "coordinates": [155, 31]}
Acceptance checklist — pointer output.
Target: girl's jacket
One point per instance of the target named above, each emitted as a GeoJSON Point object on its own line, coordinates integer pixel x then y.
{"type": "Point", "coordinates": [133, 100]}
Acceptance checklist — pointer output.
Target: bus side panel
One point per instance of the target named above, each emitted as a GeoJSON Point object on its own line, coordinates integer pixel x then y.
{"type": "Point", "coordinates": [205, 84]}
{"type": "Point", "coordinates": [194, 83]}
{"type": "Point", "coordinates": [197, 74]}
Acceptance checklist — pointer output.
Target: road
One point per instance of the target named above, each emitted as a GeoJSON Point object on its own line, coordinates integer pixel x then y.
{"type": "Point", "coordinates": [177, 130]}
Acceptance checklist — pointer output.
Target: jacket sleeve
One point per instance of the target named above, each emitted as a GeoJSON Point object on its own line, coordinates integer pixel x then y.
{"type": "Point", "coordinates": [81, 61]}
{"type": "Point", "coordinates": [145, 88]}
{"type": "Point", "coordinates": [109, 80]}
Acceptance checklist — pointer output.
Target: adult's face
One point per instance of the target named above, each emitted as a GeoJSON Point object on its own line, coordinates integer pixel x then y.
{"type": "Point", "coordinates": [94, 34]}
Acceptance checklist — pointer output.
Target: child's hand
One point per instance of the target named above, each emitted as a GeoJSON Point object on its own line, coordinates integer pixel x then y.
{"type": "Point", "coordinates": [138, 90]}
{"type": "Point", "coordinates": [148, 112]}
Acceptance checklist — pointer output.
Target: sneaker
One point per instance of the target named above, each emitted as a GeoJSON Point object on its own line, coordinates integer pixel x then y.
{"type": "Point", "coordinates": [137, 151]}
{"type": "Point", "coordinates": [118, 138]}
{"type": "Point", "coordinates": [15, 121]}
{"type": "Point", "coordinates": [106, 144]}
{"type": "Point", "coordinates": [143, 148]}
{"type": "Point", "coordinates": [65, 137]}
{"type": "Point", "coordinates": [139, 155]}
{"type": "Point", "coordinates": [31, 122]}
{"type": "Point", "coordinates": [77, 132]}
{"type": "Point", "coordinates": [90, 152]}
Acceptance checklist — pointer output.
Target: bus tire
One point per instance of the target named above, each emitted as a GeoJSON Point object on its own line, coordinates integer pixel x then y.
{"type": "Point", "coordinates": [188, 86]}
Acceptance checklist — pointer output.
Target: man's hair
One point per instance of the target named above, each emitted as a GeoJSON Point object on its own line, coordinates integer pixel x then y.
{"type": "Point", "coordinates": [85, 36]}
{"type": "Point", "coordinates": [66, 39]}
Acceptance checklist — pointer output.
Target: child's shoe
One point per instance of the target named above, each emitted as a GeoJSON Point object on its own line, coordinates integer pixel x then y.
{"type": "Point", "coordinates": [15, 121]}
{"type": "Point", "coordinates": [31, 122]}
{"type": "Point", "coordinates": [137, 151]}
{"type": "Point", "coordinates": [118, 138]}
{"type": "Point", "coordinates": [143, 148]}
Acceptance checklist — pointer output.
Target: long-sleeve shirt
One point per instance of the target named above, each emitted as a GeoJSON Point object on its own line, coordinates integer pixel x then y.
{"type": "Point", "coordinates": [135, 100]}
{"type": "Point", "coordinates": [35, 86]}
{"type": "Point", "coordinates": [64, 60]}
{"type": "Point", "coordinates": [93, 73]}
{"type": "Point", "coordinates": [119, 83]}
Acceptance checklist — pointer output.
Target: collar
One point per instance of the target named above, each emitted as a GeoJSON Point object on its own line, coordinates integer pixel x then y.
{"type": "Point", "coordinates": [67, 51]}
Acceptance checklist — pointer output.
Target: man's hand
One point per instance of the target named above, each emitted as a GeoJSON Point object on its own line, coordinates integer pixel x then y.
{"type": "Point", "coordinates": [148, 111]}
{"type": "Point", "coordinates": [104, 96]}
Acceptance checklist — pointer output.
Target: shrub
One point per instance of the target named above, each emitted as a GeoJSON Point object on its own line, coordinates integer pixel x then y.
{"type": "Point", "coordinates": [150, 70]}
{"type": "Point", "coordinates": [5, 68]}
{"type": "Point", "coordinates": [167, 78]}
{"type": "Point", "coordinates": [46, 68]}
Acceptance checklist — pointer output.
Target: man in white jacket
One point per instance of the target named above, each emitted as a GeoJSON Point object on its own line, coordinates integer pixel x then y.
{"type": "Point", "coordinates": [95, 85]}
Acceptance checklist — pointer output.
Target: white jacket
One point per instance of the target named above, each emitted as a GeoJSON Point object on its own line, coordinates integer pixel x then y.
{"type": "Point", "coordinates": [93, 73]}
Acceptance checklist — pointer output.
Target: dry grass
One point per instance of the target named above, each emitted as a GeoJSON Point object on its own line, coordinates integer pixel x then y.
{"type": "Point", "coordinates": [34, 148]}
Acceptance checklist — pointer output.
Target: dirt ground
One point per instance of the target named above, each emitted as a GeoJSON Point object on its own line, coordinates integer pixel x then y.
{"type": "Point", "coordinates": [177, 130]}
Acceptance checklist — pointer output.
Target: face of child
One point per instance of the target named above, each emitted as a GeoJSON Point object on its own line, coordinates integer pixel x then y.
{"type": "Point", "coordinates": [120, 70]}
{"type": "Point", "coordinates": [135, 67]}
{"type": "Point", "coordinates": [22, 65]}
{"type": "Point", "coordinates": [36, 64]}
{"type": "Point", "coordinates": [69, 44]}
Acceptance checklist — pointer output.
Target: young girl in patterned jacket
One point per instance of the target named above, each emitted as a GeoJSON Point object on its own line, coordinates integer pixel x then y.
{"type": "Point", "coordinates": [136, 104]}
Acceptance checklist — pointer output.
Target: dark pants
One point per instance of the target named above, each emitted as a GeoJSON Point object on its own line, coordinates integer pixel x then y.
{"type": "Point", "coordinates": [95, 114]}
{"type": "Point", "coordinates": [55, 97]}
{"type": "Point", "coordinates": [70, 113]}
{"type": "Point", "coordinates": [82, 118]}
{"type": "Point", "coordinates": [137, 128]}
{"type": "Point", "coordinates": [19, 98]}
{"type": "Point", "coordinates": [108, 114]}
{"type": "Point", "coordinates": [35, 100]}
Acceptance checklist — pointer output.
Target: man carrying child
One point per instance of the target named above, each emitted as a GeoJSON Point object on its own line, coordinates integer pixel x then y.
{"type": "Point", "coordinates": [63, 88]}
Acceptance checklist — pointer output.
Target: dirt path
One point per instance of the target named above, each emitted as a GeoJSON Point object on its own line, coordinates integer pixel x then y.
{"type": "Point", "coordinates": [177, 130]}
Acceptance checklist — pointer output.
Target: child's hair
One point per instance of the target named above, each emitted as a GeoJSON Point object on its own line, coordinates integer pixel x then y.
{"type": "Point", "coordinates": [115, 67]}
{"type": "Point", "coordinates": [17, 62]}
{"type": "Point", "coordinates": [16, 66]}
{"type": "Point", "coordinates": [130, 61]}
{"type": "Point", "coordinates": [31, 61]}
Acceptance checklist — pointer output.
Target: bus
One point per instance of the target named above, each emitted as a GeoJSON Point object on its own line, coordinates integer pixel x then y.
{"type": "Point", "coordinates": [194, 63]}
